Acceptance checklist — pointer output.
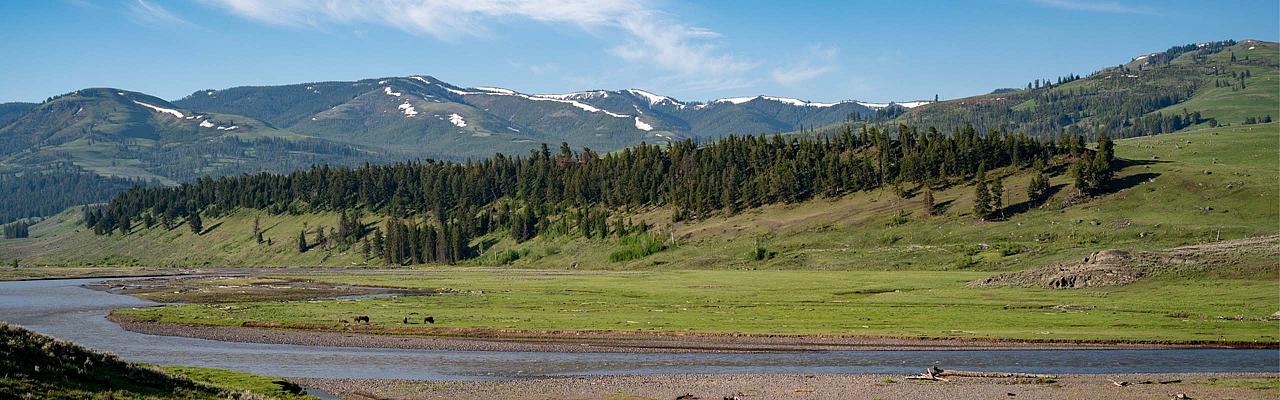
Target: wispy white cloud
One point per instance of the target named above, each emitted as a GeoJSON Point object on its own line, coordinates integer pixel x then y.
{"type": "Point", "coordinates": [1096, 6]}
{"type": "Point", "coordinates": [650, 37]}
{"type": "Point", "coordinates": [819, 60]}
{"type": "Point", "coordinates": [536, 69]}
{"type": "Point", "coordinates": [145, 13]}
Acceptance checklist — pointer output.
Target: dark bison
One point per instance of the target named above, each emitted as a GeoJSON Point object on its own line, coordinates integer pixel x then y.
{"type": "Point", "coordinates": [362, 318]}
{"type": "Point", "coordinates": [429, 320]}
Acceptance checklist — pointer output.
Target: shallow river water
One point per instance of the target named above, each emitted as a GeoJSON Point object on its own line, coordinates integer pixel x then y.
{"type": "Point", "coordinates": [65, 309]}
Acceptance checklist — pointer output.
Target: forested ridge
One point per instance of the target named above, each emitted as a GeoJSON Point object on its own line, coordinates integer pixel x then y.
{"type": "Point", "coordinates": [436, 208]}
{"type": "Point", "coordinates": [1124, 100]}
{"type": "Point", "coordinates": [38, 193]}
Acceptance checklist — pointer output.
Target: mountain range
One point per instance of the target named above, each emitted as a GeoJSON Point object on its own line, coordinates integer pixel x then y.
{"type": "Point", "coordinates": [123, 133]}
{"type": "Point", "coordinates": [217, 132]}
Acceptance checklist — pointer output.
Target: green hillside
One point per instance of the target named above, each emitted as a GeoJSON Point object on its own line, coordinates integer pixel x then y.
{"type": "Point", "coordinates": [1177, 189]}
{"type": "Point", "coordinates": [1141, 97]}
{"type": "Point", "coordinates": [1230, 104]}
{"type": "Point", "coordinates": [118, 133]}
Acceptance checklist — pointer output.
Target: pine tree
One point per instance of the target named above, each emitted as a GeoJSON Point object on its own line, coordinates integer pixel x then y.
{"type": "Point", "coordinates": [981, 195]}
{"type": "Point", "coordinates": [302, 241]}
{"type": "Point", "coordinates": [124, 224]}
{"type": "Point", "coordinates": [997, 196]}
{"type": "Point", "coordinates": [197, 225]}
{"type": "Point", "coordinates": [929, 207]}
{"type": "Point", "coordinates": [1038, 188]}
{"type": "Point", "coordinates": [379, 244]}
{"type": "Point", "coordinates": [1106, 148]}
{"type": "Point", "coordinates": [257, 234]}
{"type": "Point", "coordinates": [320, 238]}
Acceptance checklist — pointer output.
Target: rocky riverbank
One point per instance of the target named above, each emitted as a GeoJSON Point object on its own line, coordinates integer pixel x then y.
{"type": "Point", "coordinates": [768, 386]}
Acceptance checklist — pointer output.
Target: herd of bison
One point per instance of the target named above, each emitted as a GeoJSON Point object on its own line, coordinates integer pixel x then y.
{"type": "Point", "coordinates": [365, 319]}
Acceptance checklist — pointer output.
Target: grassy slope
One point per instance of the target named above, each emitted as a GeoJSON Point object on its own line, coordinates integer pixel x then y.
{"type": "Point", "coordinates": [1159, 205]}
{"type": "Point", "coordinates": [46, 368]}
{"type": "Point", "coordinates": [1230, 105]}
{"type": "Point", "coordinates": [860, 276]}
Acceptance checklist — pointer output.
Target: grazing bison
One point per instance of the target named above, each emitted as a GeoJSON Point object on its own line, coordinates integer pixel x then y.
{"type": "Point", "coordinates": [362, 318]}
{"type": "Point", "coordinates": [429, 320]}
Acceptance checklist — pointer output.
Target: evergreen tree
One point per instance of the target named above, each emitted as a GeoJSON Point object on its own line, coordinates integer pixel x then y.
{"type": "Point", "coordinates": [929, 207]}
{"type": "Point", "coordinates": [1038, 188]}
{"type": "Point", "coordinates": [257, 234]}
{"type": "Point", "coordinates": [997, 196]}
{"type": "Point", "coordinates": [981, 196]}
{"type": "Point", "coordinates": [124, 224]}
{"type": "Point", "coordinates": [197, 225]}
{"type": "Point", "coordinates": [302, 241]}
{"type": "Point", "coordinates": [320, 239]}
{"type": "Point", "coordinates": [379, 245]}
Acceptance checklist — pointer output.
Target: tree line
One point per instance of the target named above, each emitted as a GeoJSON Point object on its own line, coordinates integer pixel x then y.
{"type": "Point", "coordinates": [436, 208]}
{"type": "Point", "coordinates": [32, 193]}
{"type": "Point", "coordinates": [18, 230]}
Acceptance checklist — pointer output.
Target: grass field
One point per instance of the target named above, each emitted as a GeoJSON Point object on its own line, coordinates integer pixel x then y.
{"type": "Point", "coordinates": [871, 303]}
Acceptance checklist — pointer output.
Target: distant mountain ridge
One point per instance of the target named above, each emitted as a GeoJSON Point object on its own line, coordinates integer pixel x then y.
{"type": "Point", "coordinates": [98, 135]}
{"type": "Point", "coordinates": [430, 115]}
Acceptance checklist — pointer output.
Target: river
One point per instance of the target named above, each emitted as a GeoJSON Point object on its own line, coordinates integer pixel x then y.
{"type": "Point", "coordinates": [66, 310]}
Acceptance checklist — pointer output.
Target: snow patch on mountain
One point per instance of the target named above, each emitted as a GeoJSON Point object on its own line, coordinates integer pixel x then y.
{"type": "Point", "coordinates": [907, 104]}
{"type": "Point", "coordinates": [783, 100]}
{"type": "Point", "coordinates": [387, 90]}
{"type": "Point", "coordinates": [158, 109]}
{"type": "Point", "coordinates": [206, 124]}
{"type": "Point", "coordinates": [577, 95]}
{"type": "Point", "coordinates": [407, 109]}
{"type": "Point", "coordinates": [457, 120]}
{"type": "Point", "coordinates": [797, 102]}
{"type": "Point", "coordinates": [735, 100]}
{"type": "Point", "coordinates": [641, 125]}
{"type": "Point", "coordinates": [496, 90]}
{"type": "Point", "coordinates": [653, 99]}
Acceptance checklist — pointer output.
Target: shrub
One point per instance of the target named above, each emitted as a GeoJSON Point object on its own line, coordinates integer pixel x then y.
{"type": "Point", "coordinates": [637, 246]}
{"type": "Point", "coordinates": [901, 218]}
{"type": "Point", "coordinates": [761, 253]}
{"type": "Point", "coordinates": [508, 256]}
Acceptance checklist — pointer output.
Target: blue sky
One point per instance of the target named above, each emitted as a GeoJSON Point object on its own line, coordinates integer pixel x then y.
{"type": "Point", "coordinates": [820, 51]}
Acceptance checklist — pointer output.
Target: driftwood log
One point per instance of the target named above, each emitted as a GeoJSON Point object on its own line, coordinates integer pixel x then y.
{"type": "Point", "coordinates": [938, 374]}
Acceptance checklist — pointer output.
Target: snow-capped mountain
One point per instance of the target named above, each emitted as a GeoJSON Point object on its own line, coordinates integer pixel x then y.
{"type": "Point", "coordinates": [422, 113]}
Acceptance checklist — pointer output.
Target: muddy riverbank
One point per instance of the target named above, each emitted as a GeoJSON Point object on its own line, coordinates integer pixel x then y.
{"type": "Point", "coordinates": [793, 386]}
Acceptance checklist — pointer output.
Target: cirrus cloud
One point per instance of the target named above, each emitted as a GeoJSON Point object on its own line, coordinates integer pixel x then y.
{"type": "Point", "coordinates": [819, 60]}
{"type": "Point", "coordinates": [651, 37]}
